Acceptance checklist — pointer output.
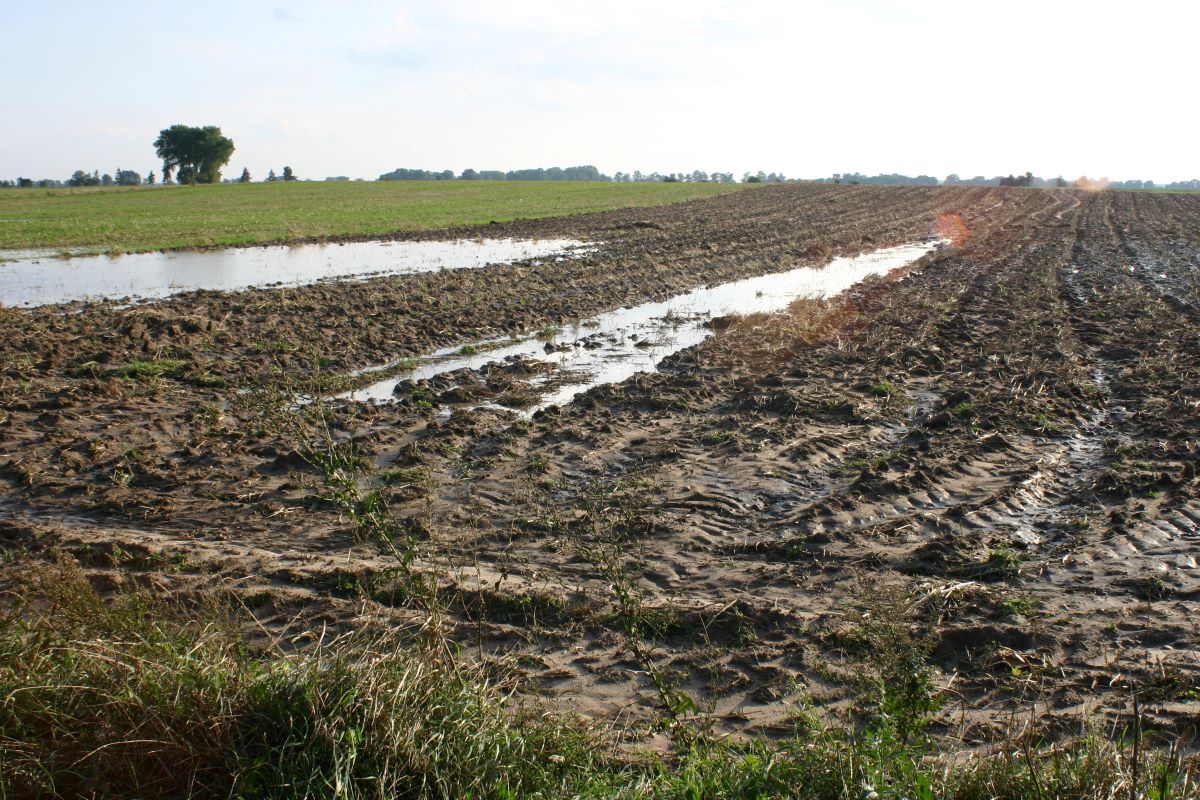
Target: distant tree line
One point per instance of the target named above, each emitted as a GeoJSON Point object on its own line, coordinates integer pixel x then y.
{"type": "Point", "coordinates": [402, 174]}
{"type": "Point", "coordinates": [1084, 182]}
{"type": "Point", "coordinates": [1132, 185]}
{"type": "Point", "coordinates": [893, 179]}
{"type": "Point", "coordinates": [1028, 179]}
{"type": "Point", "coordinates": [1020, 180]}
{"type": "Point", "coordinates": [124, 177]}
{"type": "Point", "coordinates": [30, 183]}
{"type": "Point", "coordinates": [698, 176]}
{"type": "Point", "coordinates": [287, 175]}
{"type": "Point", "coordinates": [211, 151]}
{"type": "Point", "coordinates": [1192, 185]}
{"type": "Point", "coordinates": [763, 177]}
{"type": "Point", "coordinates": [582, 173]}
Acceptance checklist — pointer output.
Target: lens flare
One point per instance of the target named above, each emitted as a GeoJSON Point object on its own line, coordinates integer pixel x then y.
{"type": "Point", "coordinates": [952, 226]}
{"type": "Point", "coordinates": [1090, 184]}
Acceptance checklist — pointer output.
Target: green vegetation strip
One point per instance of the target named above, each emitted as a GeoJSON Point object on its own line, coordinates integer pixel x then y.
{"type": "Point", "coordinates": [133, 219]}
{"type": "Point", "coordinates": [127, 699]}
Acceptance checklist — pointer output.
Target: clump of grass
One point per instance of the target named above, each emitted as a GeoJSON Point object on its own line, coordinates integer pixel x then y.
{"type": "Point", "coordinates": [1021, 605]}
{"type": "Point", "coordinates": [147, 370]}
{"type": "Point", "coordinates": [85, 369]}
{"type": "Point", "coordinates": [421, 397]}
{"type": "Point", "coordinates": [393, 476]}
{"type": "Point", "coordinates": [203, 378]}
{"type": "Point", "coordinates": [832, 766]}
{"type": "Point", "coordinates": [127, 699]}
{"type": "Point", "coordinates": [964, 409]}
{"type": "Point", "coordinates": [717, 437]}
{"type": "Point", "coordinates": [133, 698]}
{"type": "Point", "coordinates": [1150, 587]}
{"type": "Point", "coordinates": [1002, 563]}
{"type": "Point", "coordinates": [873, 463]}
{"type": "Point", "coordinates": [1042, 423]}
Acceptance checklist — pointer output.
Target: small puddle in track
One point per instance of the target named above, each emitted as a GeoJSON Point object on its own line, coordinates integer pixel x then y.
{"type": "Point", "coordinates": [35, 280]}
{"type": "Point", "coordinates": [611, 347]}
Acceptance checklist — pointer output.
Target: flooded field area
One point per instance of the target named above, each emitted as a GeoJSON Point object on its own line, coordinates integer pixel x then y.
{"type": "Point", "coordinates": [718, 455]}
{"type": "Point", "coordinates": [36, 279]}
{"type": "Point", "coordinates": [611, 347]}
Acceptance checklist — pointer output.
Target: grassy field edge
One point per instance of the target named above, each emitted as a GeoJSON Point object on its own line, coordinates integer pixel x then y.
{"type": "Point", "coordinates": [138, 219]}
{"type": "Point", "coordinates": [130, 697]}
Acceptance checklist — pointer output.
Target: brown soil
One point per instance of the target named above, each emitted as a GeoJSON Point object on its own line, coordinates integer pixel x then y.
{"type": "Point", "coordinates": [1000, 444]}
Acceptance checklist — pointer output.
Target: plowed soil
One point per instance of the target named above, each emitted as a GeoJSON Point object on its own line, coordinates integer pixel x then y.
{"type": "Point", "coordinates": [998, 445]}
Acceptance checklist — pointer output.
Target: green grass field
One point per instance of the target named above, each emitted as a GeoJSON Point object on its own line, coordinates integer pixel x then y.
{"type": "Point", "coordinates": [170, 217]}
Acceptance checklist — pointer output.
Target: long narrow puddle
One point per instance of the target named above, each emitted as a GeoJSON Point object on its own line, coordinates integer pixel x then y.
{"type": "Point", "coordinates": [35, 280]}
{"type": "Point", "coordinates": [616, 345]}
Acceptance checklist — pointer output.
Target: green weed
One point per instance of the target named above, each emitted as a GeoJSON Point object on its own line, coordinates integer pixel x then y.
{"type": "Point", "coordinates": [151, 369]}
{"type": "Point", "coordinates": [1002, 563]}
{"type": "Point", "coordinates": [897, 692]}
{"type": "Point", "coordinates": [394, 476]}
{"type": "Point", "coordinates": [717, 437]}
{"type": "Point", "coordinates": [964, 409]}
{"type": "Point", "coordinates": [1019, 606]}
{"type": "Point", "coordinates": [279, 344]}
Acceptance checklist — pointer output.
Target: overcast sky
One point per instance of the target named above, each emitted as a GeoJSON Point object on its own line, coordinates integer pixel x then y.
{"type": "Point", "coordinates": [803, 88]}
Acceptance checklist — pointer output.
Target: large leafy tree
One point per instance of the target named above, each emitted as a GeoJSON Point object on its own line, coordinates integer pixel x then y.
{"type": "Point", "coordinates": [197, 153]}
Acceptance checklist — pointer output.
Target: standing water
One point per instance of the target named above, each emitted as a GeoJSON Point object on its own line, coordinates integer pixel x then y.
{"type": "Point", "coordinates": [614, 346]}
{"type": "Point", "coordinates": [34, 280]}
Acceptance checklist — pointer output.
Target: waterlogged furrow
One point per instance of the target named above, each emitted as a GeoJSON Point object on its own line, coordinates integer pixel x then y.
{"type": "Point", "coordinates": [35, 281]}
{"type": "Point", "coordinates": [619, 344]}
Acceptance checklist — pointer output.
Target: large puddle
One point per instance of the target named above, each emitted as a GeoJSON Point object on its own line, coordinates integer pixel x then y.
{"type": "Point", "coordinates": [614, 346]}
{"type": "Point", "coordinates": [35, 280]}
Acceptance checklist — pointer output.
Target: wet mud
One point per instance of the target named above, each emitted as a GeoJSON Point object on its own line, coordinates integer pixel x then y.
{"type": "Point", "coordinates": [1003, 434]}
{"type": "Point", "coordinates": [616, 345]}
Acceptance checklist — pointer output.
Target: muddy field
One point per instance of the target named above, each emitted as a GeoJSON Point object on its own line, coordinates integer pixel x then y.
{"type": "Point", "coordinates": [996, 446]}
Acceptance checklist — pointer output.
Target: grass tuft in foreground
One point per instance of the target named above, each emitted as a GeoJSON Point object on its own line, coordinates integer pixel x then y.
{"type": "Point", "coordinates": [127, 700]}
{"type": "Point", "coordinates": [130, 698]}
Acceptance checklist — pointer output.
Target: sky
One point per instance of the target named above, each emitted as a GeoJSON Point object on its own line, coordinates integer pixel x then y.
{"type": "Point", "coordinates": [1055, 87]}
